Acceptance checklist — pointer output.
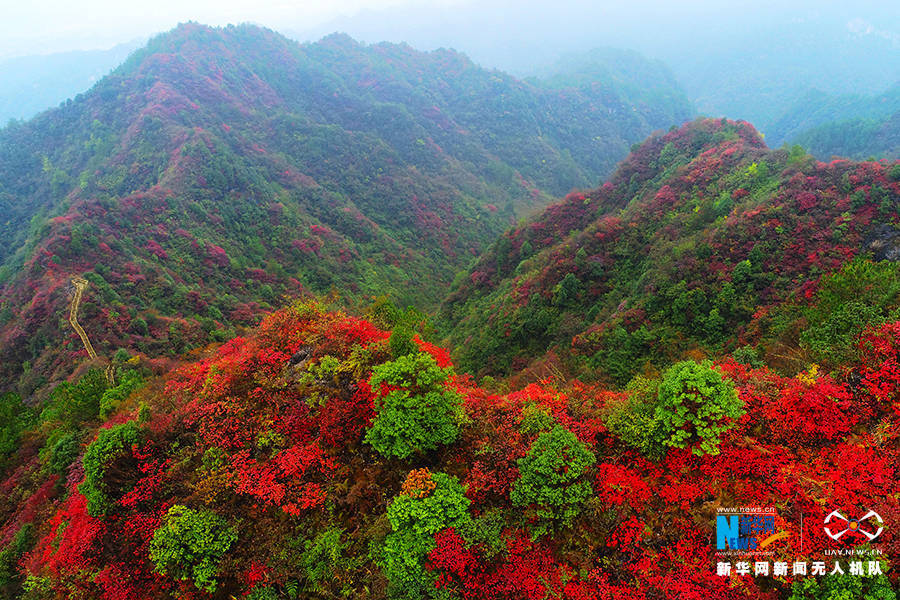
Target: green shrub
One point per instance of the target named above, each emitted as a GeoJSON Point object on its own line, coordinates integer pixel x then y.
{"type": "Point", "coordinates": [834, 339]}
{"type": "Point", "coordinates": [113, 397]}
{"type": "Point", "coordinates": [72, 405]}
{"type": "Point", "coordinates": [322, 557]}
{"type": "Point", "coordinates": [414, 521]}
{"type": "Point", "coordinates": [634, 420]}
{"type": "Point", "coordinates": [843, 587]}
{"type": "Point", "coordinates": [64, 452]}
{"type": "Point", "coordinates": [421, 414]}
{"type": "Point", "coordinates": [861, 294]}
{"type": "Point", "coordinates": [190, 545]}
{"type": "Point", "coordinates": [9, 557]}
{"type": "Point", "coordinates": [894, 173]}
{"type": "Point", "coordinates": [111, 445]}
{"type": "Point", "coordinates": [748, 355]}
{"type": "Point", "coordinates": [550, 477]}
{"type": "Point", "coordinates": [139, 326]}
{"type": "Point", "coordinates": [696, 404]}
{"type": "Point", "coordinates": [536, 419]}
{"type": "Point", "coordinates": [262, 593]}
{"type": "Point", "coordinates": [401, 342]}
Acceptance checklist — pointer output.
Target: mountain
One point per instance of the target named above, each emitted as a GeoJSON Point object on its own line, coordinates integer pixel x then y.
{"type": "Point", "coordinates": [648, 84]}
{"type": "Point", "coordinates": [855, 138]}
{"type": "Point", "coordinates": [762, 74]}
{"type": "Point", "coordinates": [703, 242]}
{"type": "Point", "coordinates": [30, 84]}
{"type": "Point", "coordinates": [219, 170]}
{"type": "Point", "coordinates": [849, 126]}
{"type": "Point", "coordinates": [752, 63]}
{"type": "Point", "coordinates": [321, 456]}
{"type": "Point", "coordinates": [817, 109]}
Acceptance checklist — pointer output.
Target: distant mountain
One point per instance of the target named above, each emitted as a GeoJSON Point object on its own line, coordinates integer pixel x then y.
{"type": "Point", "coordinates": [751, 62]}
{"type": "Point", "coordinates": [851, 126]}
{"type": "Point", "coordinates": [703, 242]}
{"type": "Point", "coordinates": [855, 138]}
{"type": "Point", "coordinates": [218, 171]}
{"type": "Point", "coordinates": [818, 108]}
{"type": "Point", "coordinates": [30, 84]}
{"type": "Point", "coordinates": [649, 84]}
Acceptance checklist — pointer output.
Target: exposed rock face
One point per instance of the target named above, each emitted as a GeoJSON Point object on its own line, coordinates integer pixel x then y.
{"type": "Point", "coordinates": [884, 243]}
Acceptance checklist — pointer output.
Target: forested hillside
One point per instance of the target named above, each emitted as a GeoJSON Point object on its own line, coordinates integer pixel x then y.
{"type": "Point", "coordinates": [335, 320]}
{"type": "Point", "coordinates": [848, 126]}
{"type": "Point", "coordinates": [323, 456]}
{"type": "Point", "coordinates": [855, 138]}
{"type": "Point", "coordinates": [704, 242]}
{"type": "Point", "coordinates": [219, 171]}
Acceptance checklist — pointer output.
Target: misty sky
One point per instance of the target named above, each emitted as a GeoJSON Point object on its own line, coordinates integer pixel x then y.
{"type": "Point", "coordinates": [45, 26]}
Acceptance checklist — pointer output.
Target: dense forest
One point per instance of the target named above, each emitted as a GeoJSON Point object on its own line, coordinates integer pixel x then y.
{"type": "Point", "coordinates": [219, 171]}
{"type": "Point", "coordinates": [324, 457]}
{"type": "Point", "coordinates": [703, 241]}
{"type": "Point", "coordinates": [848, 126]}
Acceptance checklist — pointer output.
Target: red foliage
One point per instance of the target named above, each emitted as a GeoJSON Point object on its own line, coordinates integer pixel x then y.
{"type": "Point", "coordinates": [69, 545]}
{"type": "Point", "coordinates": [880, 364]}
{"type": "Point", "coordinates": [617, 485]}
{"type": "Point", "coordinates": [217, 255]}
{"type": "Point", "coordinates": [281, 481]}
{"type": "Point", "coordinates": [344, 422]}
{"type": "Point", "coordinates": [440, 355]}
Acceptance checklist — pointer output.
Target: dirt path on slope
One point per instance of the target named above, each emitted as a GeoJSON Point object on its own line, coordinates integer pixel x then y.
{"type": "Point", "coordinates": [81, 284]}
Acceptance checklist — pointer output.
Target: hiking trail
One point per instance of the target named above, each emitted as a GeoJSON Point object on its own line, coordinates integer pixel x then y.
{"type": "Point", "coordinates": [81, 284]}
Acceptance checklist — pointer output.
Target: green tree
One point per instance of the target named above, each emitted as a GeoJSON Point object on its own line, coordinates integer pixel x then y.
{"type": "Point", "coordinates": [566, 291]}
{"type": "Point", "coordinates": [418, 416]}
{"type": "Point", "coordinates": [64, 452]}
{"type": "Point", "coordinates": [634, 420]}
{"type": "Point", "coordinates": [415, 516]}
{"type": "Point", "coordinates": [111, 446]}
{"type": "Point", "coordinates": [190, 545]}
{"type": "Point", "coordinates": [551, 477]}
{"type": "Point", "coordinates": [696, 405]}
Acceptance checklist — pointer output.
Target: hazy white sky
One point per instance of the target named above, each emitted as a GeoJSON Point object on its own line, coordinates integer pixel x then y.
{"type": "Point", "coordinates": [44, 26]}
{"type": "Point", "coordinates": [658, 27]}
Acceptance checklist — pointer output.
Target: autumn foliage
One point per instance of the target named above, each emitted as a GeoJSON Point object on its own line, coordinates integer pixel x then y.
{"type": "Point", "coordinates": [248, 474]}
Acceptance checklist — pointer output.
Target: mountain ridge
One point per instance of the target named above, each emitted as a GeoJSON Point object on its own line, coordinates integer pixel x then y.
{"type": "Point", "coordinates": [637, 277]}
{"type": "Point", "coordinates": [218, 171]}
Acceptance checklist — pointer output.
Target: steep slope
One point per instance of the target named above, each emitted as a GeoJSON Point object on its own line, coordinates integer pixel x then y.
{"type": "Point", "coordinates": [648, 85]}
{"type": "Point", "coordinates": [279, 467]}
{"type": "Point", "coordinates": [850, 126]}
{"type": "Point", "coordinates": [694, 241]}
{"type": "Point", "coordinates": [219, 169]}
{"type": "Point", "coordinates": [855, 138]}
